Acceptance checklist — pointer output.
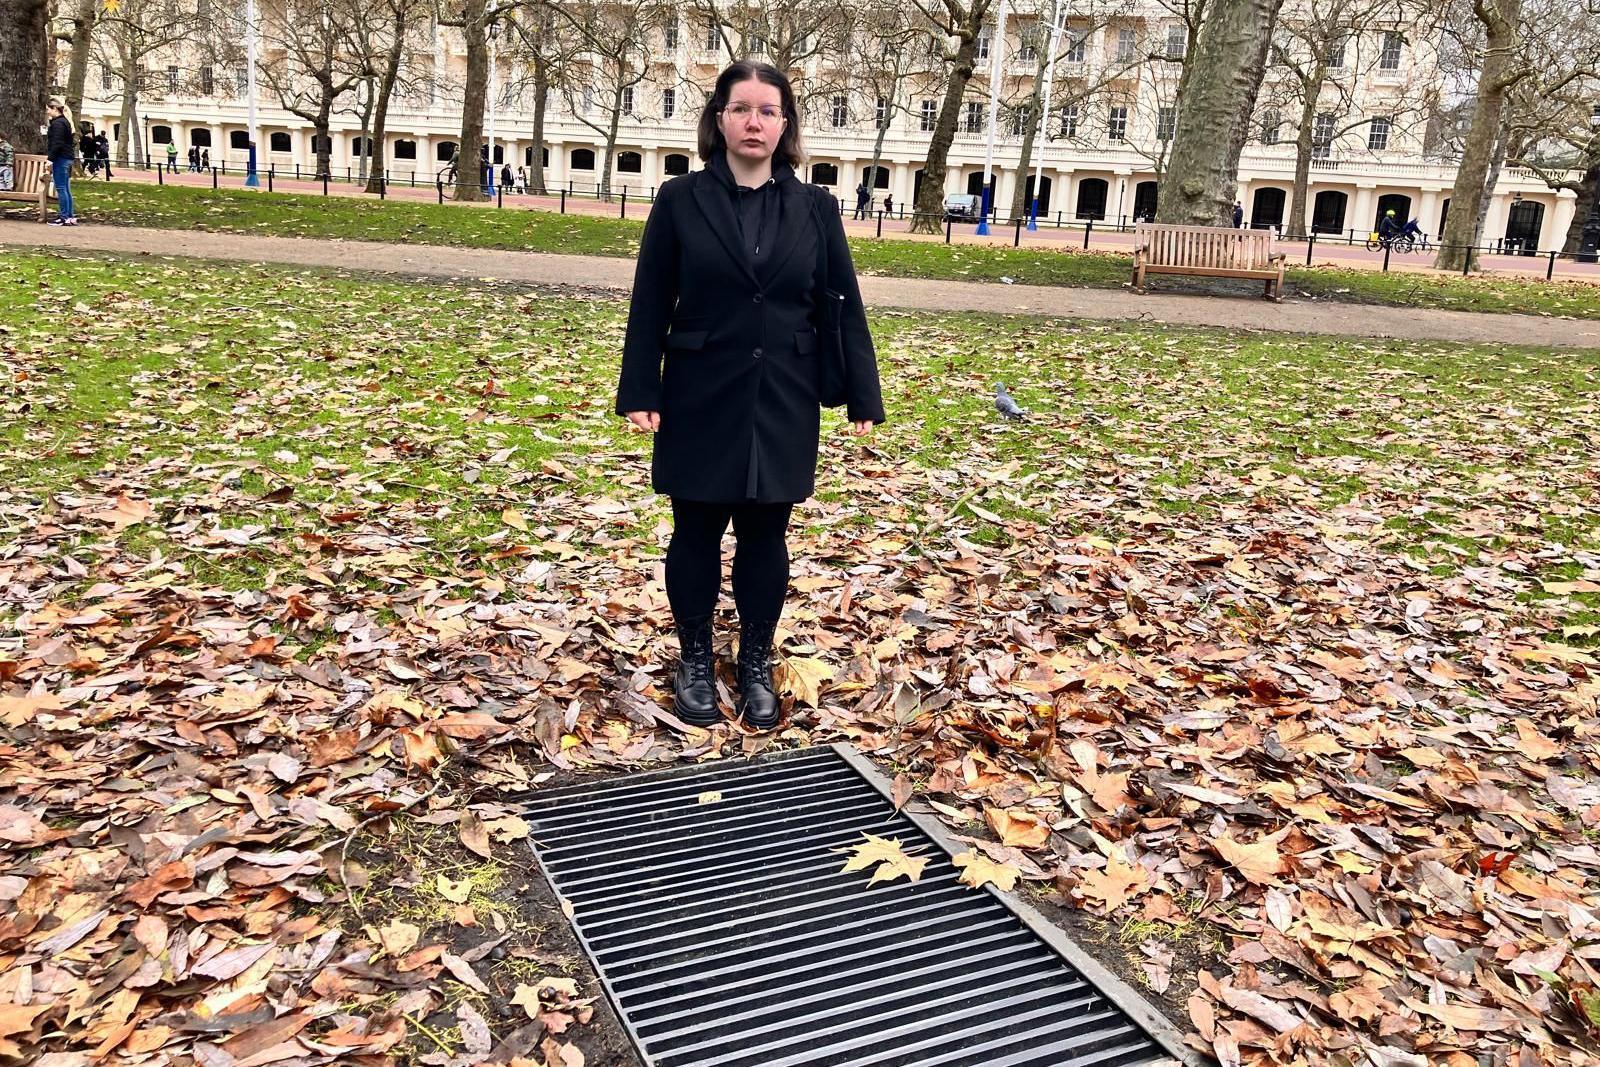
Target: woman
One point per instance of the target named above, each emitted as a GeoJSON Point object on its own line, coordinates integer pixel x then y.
{"type": "Point", "coordinates": [59, 151]}
{"type": "Point", "coordinates": [8, 160]}
{"type": "Point", "coordinates": [724, 296]}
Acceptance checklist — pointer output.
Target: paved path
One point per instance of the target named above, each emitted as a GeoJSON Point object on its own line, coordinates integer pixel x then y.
{"type": "Point", "coordinates": [437, 261]}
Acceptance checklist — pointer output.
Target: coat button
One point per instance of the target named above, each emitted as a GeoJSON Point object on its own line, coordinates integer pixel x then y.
{"type": "Point", "coordinates": [756, 298]}
{"type": "Point", "coordinates": [757, 353]}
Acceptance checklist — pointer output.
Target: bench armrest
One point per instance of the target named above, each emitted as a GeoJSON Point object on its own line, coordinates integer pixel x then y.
{"type": "Point", "coordinates": [1278, 255]}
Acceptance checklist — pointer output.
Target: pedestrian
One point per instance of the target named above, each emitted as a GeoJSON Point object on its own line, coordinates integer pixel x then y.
{"type": "Point", "coordinates": [89, 152]}
{"type": "Point", "coordinates": [194, 159]}
{"type": "Point", "coordinates": [522, 180]}
{"type": "Point", "coordinates": [172, 157]}
{"type": "Point", "coordinates": [862, 199]}
{"type": "Point", "coordinates": [102, 146]}
{"type": "Point", "coordinates": [59, 151]}
{"type": "Point", "coordinates": [205, 160]}
{"type": "Point", "coordinates": [888, 204]}
{"type": "Point", "coordinates": [8, 163]}
{"type": "Point", "coordinates": [726, 292]}
{"type": "Point", "coordinates": [1238, 214]}
{"type": "Point", "coordinates": [508, 180]}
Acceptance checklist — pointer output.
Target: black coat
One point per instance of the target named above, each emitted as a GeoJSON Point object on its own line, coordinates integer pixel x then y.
{"type": "Point", "coordinates": [58, 144]}
{"type": "Point", "coordinates": [738, 389]}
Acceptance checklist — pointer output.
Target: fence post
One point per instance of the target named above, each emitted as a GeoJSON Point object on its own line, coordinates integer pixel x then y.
{"type": "Point", "coordinates": [383, 186]}
{"type": "Point", "coordinates": [213, 177]}
{"type": "Point", "coordinates": [948, 223]}
{"type": "Point", "coordinates": [1466, 262]}
{"type": "Point", "coordinates": [499, 196]}
{"type": "Point", "coordinates": [1550, 271]}
{"type": "Point", "coordinates": [1016, 240]}
{"type": "Point", "coordinates": [440, 183]}
{"type": "Point", "coordinates": [324, 183]}
{"type": "Point", "coordinates": [159, 179]}
{"type": "Point", "coordinates": [1087, 230]}
{"type": "Point", "coordinates": [1386, 249]}
{"type": "Point", "coordinates": [1311, 246]}
{"type": "Point", "coordinates": [624, 203]}
{"type": "Point", "coordinates": [297, 172]}
{"type": "Point", "coordinates": [1352, 239]}
{"type": "Point", "coordinates": [880, 223]}
{"type": "Point", "coordinates": [563, 201]}
{"type": "Point", "coordinates": [269, 179]}
{"type": "Point", "coordinates": [1058, 220]}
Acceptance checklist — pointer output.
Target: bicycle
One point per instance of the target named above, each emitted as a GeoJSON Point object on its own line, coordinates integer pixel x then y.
{"type": "Point", "coordinates": [446, 179]}
{"type": "Point", "coordinates": [1404, 243]}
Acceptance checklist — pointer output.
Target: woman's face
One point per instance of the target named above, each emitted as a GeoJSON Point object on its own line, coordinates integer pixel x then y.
{"type": "Point", "coordinates": [752, 135]}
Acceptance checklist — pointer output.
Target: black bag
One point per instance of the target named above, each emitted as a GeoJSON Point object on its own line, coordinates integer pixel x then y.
{"type": "Point", "coordinates": [831, 384]}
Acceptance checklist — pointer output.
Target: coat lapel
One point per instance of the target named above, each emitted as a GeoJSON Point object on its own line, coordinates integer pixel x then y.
{"type": "Point", "coordinates": [794, 222]}
{"type": "Point", "coordinates": [717, 207]}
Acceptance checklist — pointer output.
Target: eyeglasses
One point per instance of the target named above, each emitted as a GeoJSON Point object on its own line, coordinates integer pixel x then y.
{"type": "Point", "coordinates": [741, 113]}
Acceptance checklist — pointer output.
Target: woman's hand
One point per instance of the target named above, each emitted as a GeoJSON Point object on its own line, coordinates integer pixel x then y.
{"type": "Point", "coordinates": [645, 421]}
{"type": "Point", "coordinates": [863, 427]}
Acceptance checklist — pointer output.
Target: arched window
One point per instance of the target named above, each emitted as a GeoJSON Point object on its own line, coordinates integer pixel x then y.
{"type": "Point", "coordinates": [200, 137]}
{"type": "Point", "coordinates": [160, 134]}
{"type": "Point", "coordinates": [630, 163]}
{"type": "Point", "coordinates": [1266, 210]}
{"type": "Point", "coordinates": [1092, 198]}
{"type": "Point", "coordinates": [445, 151]}
{"type": "Point", "coordinates": [405, 150]}
{"type": "Point", "coordinates": [677, 163]}
{"type": "Point", "coordinates": [1327, 212]}
{"type": "Point", "coordinates": [824, 174]}
{"type": "Point", "coordinates": [279, 142]}
{"type": "Point", "coordinates": [880, 180]}
{"type": "Point", "coordinates": [582, 159]}
{"type": "Point", "coordinates": [360, 146]}
{"type": "Point", "coordinates": [239, 139]}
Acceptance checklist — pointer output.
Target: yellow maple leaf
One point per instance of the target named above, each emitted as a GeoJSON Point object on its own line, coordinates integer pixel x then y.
{"type": "Point", "coordinates": [1017, 827]}
{"type": "Point", "coordinates": [514, 518]}
{"type": "Point", "coordinates": [1258, 861]}
{"type": "Point", "coordinates": [1116, 884]}
{"type": "Point", "coordinates": [977, 869]}
{"type": "Point", "coordinates": [887, 856]}
{"type": "Point", "coordinates": [803, 677]}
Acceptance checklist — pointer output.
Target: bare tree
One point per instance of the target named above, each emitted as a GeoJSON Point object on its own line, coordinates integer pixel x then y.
{"type": "Point", "coordinates": [885, 48]}
{"type": "Point", "coordinates": [474, 18]}
{"type": "Point", "coordinates": [127, 37]}
{"type": "Point", "coordinates": [381, 38]}
{"type": "Point", "coordinates": [960, 22]}
{"type": "Point", "coordinates": [80, 16]}
{"type": "Point", "coordinates": [542, 46]}
{"type": "Point", "coordinates": [616, 39]}
{"type": "Point", "coordinates": [1221, 79]}
{"type": "Point", "coordinates": [311, 65]}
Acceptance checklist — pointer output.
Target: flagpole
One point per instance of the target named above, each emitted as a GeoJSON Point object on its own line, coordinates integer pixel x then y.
{"type": "Point", "coordinates": [995, 55]}
{"type": "Point", "coordinates": [251, 178]}
{"type": "Point", "coordinates": [1044, 117]}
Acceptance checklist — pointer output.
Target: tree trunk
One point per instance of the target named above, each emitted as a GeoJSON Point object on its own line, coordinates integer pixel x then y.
{"type": "Point", "coordinates": [1311, 89]}
{"type": "Point", "coordinates": [1490, 180]}
{"type": "Point", "coordinates": [877, 152]}
{"type": "Point", "coordinates": [319, 127]}
{"type": "Point", "coordinates": [130, 109]}
{"type": "Point", "coordinates": [474, 32]}
{"type": "Point", "coordinates": [929, 210]}
{"type": "Point", "coordinates": [24, 83]}
{"type": "Point", "coordinates": [611, 142]}
{"type": "Point", "coordinates": [365, 154]}
{"type": "Point", "coordinates": [1222, 77]}
{"type": "Point", "coordinates": [541, 89]}
{"type": "Point", "coordinates": [1025, 159]}
{"type": "Point", "coordinates": [1467, 197]}
{"type": "Point", "coordinates": [1588, 192]}
{"type": "Point", "coordinates": [391, 74]}
{"type": "Point", "coordinates": [83, 21]}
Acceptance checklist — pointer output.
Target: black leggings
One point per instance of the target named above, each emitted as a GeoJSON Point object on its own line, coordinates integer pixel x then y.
{"type": "Point", "coordinates": [760, 562]}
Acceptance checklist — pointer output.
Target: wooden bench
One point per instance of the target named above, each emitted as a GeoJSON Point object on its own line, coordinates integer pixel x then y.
{"type": "Point", "coordinates": [1210, 251]}
{"type": "Point", "coordinates": [30, 182]}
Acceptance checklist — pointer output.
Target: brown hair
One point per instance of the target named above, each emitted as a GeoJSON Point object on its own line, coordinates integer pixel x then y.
{"type": "Point", "coordinates": [789, 149]}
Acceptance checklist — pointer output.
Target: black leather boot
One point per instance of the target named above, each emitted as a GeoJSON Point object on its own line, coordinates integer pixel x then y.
{"type": "Point", "coordinates": [758, 701]}
{"type": "Point", "coordinates": [694, 689]}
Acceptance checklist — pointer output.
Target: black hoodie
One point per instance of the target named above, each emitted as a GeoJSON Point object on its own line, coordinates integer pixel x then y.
{"type": "Point", "coordinates": [758, 210]}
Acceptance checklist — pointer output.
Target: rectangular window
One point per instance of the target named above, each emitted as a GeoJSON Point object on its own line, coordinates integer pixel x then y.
{"type": "Point", "coordinates": [1336, 48]}
{"type": "Point", "coordinates": [882, 113]}
{"type": "Point", "coordinates": [974, 123]}
{"type": "Point", "coordinates": [1077, 45]}
{"type": "Point", "coordinates": [983, 43]}
{"type": "Point", "coordinates": [1166, 122]}
{"type": "Point", "coordinates": [627, 100]}
{"type": "Point", "coordinates": [1177, 41]}
{"type": "Point", "coordinates": [1029, 52]}
{"type": "Point", "coordinates": [758, 43]}
{"type": "Point", "coordinates": [839, 112]}
{"type": "Point", "coordinates": [935, 47]}
{"type": "Point", "coordinates": [241, 82]}
{"type": "Point", "coordinates": [172, 79]}
{"type": "Point", "coordinates": [105, 79]}
{"type": "Point", "coordinates": [930, 115]}
{"type": "Point", "coordinates": [207, 82]}
{"type": "Point", "coordinates": [713, 35]}
{"type": "Point", "coordinates": [1378, 134]}
{"type": "Point", "coordinates": [669, 35]}
{"type": "Point", "coordinates": [1322, 136]}
{"type": "Point", "coordinates": [1020, 121]}
{"type": "Point", "coordinates": [1069, 121]}
{"type": "Point", "coordinates": [1270, 124]}
{"type": "Point", "coordinates": [1389, 58]}
{"type": "Point", "coordinates": [1117, 128]}
{"type": "Point", "coordinates": [588, 98]}
{"type": "Point", "coordinates": [669, 103]}
{"type": "Point", "coordinates": [1127, 45]}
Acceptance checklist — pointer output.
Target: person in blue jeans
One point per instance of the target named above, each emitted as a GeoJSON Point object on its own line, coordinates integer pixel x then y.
{"type": "Point", "coordinates": [60, 151]}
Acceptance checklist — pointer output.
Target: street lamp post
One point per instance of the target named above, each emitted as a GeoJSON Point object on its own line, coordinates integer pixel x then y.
{"type": "Point", "coordinates": [1589, 246]}
{"type": "Point", "coordinates": [251, 179]}
{"type": "Point", "coordinates": [493, 50]}
{"type": "Point", "coordinates": [998, 46]}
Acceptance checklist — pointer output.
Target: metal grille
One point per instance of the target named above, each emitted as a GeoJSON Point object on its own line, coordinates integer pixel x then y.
{"type": "Point", "coordinates": [726, 936]}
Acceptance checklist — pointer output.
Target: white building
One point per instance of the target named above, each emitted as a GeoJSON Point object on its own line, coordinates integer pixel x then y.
{"type": "Point", "coordinates": [1101, 154]}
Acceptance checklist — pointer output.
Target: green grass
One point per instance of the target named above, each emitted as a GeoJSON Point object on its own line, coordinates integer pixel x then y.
{"type": "Point", "coordinates": [278, 214]}
{"type": "Point", "coordinates": [410, 420]}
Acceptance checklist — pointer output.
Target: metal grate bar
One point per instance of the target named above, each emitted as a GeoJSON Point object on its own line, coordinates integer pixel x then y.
{"type": "Point", "coordinates": [726, 934]}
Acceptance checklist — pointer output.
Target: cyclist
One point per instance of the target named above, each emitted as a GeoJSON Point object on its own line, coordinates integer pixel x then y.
{"type": "Point", "coordinates": [1388, 227]}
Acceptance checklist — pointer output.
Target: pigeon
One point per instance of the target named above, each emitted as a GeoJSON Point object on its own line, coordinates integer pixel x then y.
{"type": "Point", "coordinates": [1004, 404]}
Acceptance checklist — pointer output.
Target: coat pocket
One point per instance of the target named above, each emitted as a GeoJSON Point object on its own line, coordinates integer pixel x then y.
{"type": "Point", "coordinates": [805, 342]}
{"type": "Point", "coordinates": [690, 339]}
